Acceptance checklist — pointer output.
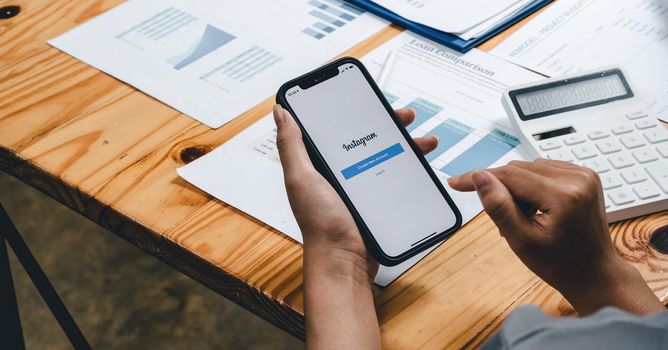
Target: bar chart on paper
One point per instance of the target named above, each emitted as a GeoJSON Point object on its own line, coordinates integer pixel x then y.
{"type": "Point", "coordinates": [213, 60]}
{"type": "Point", "coordinates": [330, 15]}
{"type": "Point", "coordinates": [483, 153]}
{"type": "Point", "coordinates": [177, 35]}
{"type": "Point", "coordinates": [459, 105]}
{"type": "Point", "coordinates": [461, 147]}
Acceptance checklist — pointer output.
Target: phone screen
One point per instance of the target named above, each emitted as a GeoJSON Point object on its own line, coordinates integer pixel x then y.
{"type": "Point", "coordinates": [382, 176]}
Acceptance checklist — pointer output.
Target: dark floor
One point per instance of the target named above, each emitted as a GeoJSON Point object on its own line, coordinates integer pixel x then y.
{"type": "Point", "coordinates": [120, 297]}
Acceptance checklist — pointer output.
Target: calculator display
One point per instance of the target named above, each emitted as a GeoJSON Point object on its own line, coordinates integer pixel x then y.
{"type": "Point", "coordinates": [570, 94]}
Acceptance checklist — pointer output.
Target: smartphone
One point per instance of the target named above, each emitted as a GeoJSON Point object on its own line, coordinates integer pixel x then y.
{"type": "Point", "coordinates": [359, 145]}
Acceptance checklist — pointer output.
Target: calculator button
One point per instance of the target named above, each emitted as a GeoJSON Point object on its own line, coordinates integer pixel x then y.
{"type": "Point", "coordinates": [549, 145]}
{"type": "Point", "coordinates": [621, 129]}
{"type": "Point", "coordinates": [659, 173]}
{"type": "Point", "coordinates": [584, 152]}
{"type": "Point", "coordinates": [636, 115]}
{"type": "Point", "coordinates": [632, 141]}
{"type": "Point", "coordinates": [561, 155]}
{"type": "Point", "coordinates": [598, 134]}
{"type": "Point", "coordinates": [621, 196]}
{"type": "Point", "coordinates": [645, 124]}
{"type": "Point", "coordinates": [663, 150]}
{"type": "Point", "coordinates": [573, 140]}
{"type": "Point", "coordinates": [656, 135]}
{"type": "Point", "coordinates": [598, 165]}
{"type": "Point", "coordinates": [620, 161]}
{"type": "Point", "coordinates": [609, 146]}
{"type": "Point", "coordinates": [646, 190]}
{"type": "Point", "coordinates": [644, 155]}
{"type": "Point", "coordinates": [609, 181]}
{"type": "Point", "coordinates": [633, 176]}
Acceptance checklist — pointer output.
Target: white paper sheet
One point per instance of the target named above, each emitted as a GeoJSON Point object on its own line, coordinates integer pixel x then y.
{"type": "Point", "coordinates": [483, 27]}
{"type": "Point", "coordinates": [575, 35]}
{"type": "Point", "coordinates": [451, 16]}
{"type": "Point", "coordinates": [457, 96]}
{"type": "Point", "coordinates": [215, 59]}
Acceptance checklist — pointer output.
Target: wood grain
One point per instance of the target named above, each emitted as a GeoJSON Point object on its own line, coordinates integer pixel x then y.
{"type": "Point", "coordinates": [110, 153]}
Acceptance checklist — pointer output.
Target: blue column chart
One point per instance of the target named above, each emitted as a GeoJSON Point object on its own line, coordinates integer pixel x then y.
{"type": "Point", "coordinates": [330, 15]}
{"type": "Point", "coordinates": [483, 153]}
{"type": "Point", "coordinates": [390, 98]}
{"type": "Point", "coordinates": [424, 111]}
{"type": "Point", "coordinates": [449, 133]}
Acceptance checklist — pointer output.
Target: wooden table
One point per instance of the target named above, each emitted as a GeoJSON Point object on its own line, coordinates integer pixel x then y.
{"type": "Point", "coordinates": [110, 152]}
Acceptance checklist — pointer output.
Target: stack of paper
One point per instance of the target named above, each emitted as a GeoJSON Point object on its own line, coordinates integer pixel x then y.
{"type": "Point", "coordinates": [465, 19]}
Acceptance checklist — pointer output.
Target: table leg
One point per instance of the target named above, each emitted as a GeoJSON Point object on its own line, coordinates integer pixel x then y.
{"type": "Point", "coordinates": [46, 290]}
{"type": "Point", "coordinates": [10, 331]}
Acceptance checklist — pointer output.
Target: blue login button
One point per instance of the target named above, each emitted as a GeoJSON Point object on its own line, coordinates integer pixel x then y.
{"type": "Point", "coordinates": [370, 162]}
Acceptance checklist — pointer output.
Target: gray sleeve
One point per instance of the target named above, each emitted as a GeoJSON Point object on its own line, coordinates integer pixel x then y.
{"type": "Point", "coordinates": [529, 328]}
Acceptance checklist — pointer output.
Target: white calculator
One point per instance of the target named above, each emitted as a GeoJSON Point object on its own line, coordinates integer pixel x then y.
{"type": "Point", "coordinates": [596, 120]}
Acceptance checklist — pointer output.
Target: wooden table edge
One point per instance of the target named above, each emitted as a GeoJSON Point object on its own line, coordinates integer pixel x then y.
{"type": "Point", "coordinates": [204, 272]}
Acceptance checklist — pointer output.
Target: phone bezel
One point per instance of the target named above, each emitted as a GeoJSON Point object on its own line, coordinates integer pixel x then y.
{"type": "Point", "coordinates": [309, 79]}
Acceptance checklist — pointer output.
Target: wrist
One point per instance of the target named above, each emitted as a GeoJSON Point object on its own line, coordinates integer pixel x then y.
{"type": "Point", "coordinates": [339, 264]}
{"type": "Point", "coordinates": [615, 283]}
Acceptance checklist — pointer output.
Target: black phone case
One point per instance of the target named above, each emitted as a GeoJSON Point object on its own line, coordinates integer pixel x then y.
{"type": "Point", "coordinates": [321, 165]}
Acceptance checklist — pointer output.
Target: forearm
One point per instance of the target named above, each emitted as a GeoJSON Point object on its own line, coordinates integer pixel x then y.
{"type": "Point", "coordinates": [619, 285]}
{"type": "Point", "coordinates": [338, 301]}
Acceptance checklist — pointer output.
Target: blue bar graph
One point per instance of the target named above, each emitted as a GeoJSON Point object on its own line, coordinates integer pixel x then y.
{"type": "Point", "coordinates": [331, 10]}
{"type": "Point", "coordinates": [483, 153]}
{"type": "Point", "coordinates": [313, 33]}
{"type": "Point", "coordinates": [449, 133]}
{"type": "Point", "coordinates": [424, 111]}
{"type": "Point", "coordinates": [346, 6]}
{"type": "Point", "coordinates": [390, 98]}
{"type": "Point", "coordinates": [325, 28]}
{"type": "Point", "coordinates": [327, 18]}
{"type": "Point", "coordinates": [370, 162]}
{"type": "Point", "coordinates": [334, 13]}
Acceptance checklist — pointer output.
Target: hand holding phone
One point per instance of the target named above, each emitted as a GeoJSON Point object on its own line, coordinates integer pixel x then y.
{"type": "Point", "coordinates": [359, 145]}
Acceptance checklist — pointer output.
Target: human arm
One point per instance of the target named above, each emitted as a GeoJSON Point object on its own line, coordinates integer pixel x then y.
{"type": "Point", "coordinates": [338, 273]}
{"type": "Point", "coordinates": [552, 215]}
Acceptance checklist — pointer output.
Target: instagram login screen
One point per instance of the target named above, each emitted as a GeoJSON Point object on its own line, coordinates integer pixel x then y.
{"type": "Point", "coordinates": [376, 167]}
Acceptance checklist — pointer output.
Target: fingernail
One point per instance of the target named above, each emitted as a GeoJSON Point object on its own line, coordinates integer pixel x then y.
{"type": "Point", "coordinates": [453, 180]}
{"type": "Point", "coordinates": [279, 116]}
{"type": "Point", "coordinates": [480, 179]}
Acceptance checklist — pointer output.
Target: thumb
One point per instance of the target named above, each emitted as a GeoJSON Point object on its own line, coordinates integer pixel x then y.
{"type": "Point", "coordinates": [499, 204]}
{"type": "Point", "coordinates": [291, 149]}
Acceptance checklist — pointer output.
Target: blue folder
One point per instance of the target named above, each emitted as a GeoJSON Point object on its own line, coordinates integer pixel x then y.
{"type": "Point", "coordinates": [450, 40]}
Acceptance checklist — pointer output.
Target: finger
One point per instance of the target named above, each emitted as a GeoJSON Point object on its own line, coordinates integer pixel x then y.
{"type": "Point", "coordinates": [427, 143]}
{"type": "Point", "coordinates": [406, 115]}
{"type": "Point", "coordinates": [556, 163]}
{"type": "Point", "coordinates": [540, 166]}
{"type": "Point", "coordinates": [291, 149]}
{"type": "Point", "coordinates": [524, 185]}
{"type": "Point", "coordinates": [499, 203]}
{"type": "Point", "coordinates": [547, 168]}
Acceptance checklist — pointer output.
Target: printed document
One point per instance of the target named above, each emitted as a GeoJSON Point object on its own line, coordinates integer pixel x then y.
{"type": "Point", "coordinates": [466, 19]}
{"type": "Point", "coordinates": [457, 97]}
{"type": "Point", "coordinates": [215, 59]}
{"type": "Point", "coordinates": [575, 35]}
